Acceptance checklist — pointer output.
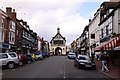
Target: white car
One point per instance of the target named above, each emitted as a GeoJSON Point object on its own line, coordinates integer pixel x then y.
{"type": "Point", "coordinates": [39, 56]}
{"type": "Point", "coordinates": [71, 55]}
{"type": "Point", "coordinates": [9, 59]}
{"type": "Point", "coordinates": [84, 61]}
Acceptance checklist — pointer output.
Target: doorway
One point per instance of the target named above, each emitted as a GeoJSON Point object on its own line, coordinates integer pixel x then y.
{"type": "Point", "coordinates": [58, 51]}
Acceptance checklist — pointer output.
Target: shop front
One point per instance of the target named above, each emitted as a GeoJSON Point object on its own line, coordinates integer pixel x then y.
{"type": "Point", "coordinates": [112, 47]}
{"type": "Point", "coordinates": [12, 48]}
{"type": "Point", "coordinates": [4, 47]}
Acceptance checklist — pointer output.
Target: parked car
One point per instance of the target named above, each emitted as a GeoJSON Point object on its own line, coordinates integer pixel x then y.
{"type": "Point", "coordinates": [39, 56]}
{"type": "Point", "coordinates": [47, 54]}
{"type": "Point", "coordinates": [34, 57]}
{"type": "Point", "coordinates": [71, 55]}
{"type": "Point", "coordinates": [43, 53]}
{"type": "Point", "coordinates": [25, 59]}
{"type": "Point", "coordinates": [9, 59]}
{"type": "Point", "coordinates": [84, 61]}
{"type": "Point", "coordinates": [22, 58]}
{"type": "Point", "coordinates": [29, 58]}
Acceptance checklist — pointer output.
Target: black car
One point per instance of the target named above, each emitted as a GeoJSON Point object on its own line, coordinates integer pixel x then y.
{"type": "Point", "coordinates": [29, 59]}
{"type": "Point", "coordinates": [84, 61]}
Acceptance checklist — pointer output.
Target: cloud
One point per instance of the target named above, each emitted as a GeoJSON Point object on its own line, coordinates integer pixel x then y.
{"type": "Point", "coordinates": [44, 16]}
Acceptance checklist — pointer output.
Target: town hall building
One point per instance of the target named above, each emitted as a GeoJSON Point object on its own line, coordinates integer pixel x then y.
{"type": "Point", "coordinates": [58, 44]}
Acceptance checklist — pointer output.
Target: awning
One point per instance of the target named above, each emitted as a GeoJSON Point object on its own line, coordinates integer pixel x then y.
{"type": "Point", "coordinates": [101, 46]}
{"type": "Point", "coordinates": [109, 45]}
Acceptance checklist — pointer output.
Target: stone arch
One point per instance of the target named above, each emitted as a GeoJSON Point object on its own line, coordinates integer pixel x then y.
{"type": "Point", "coordinates": [58, 51]}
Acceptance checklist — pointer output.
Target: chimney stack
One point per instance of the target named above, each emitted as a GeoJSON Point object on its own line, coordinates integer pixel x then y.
{"type": "Point", "coordinates": [89, 20]}
{"type": "Point", "coordinates": [14, 15]}
{"type": "Point", "coordinates": [11, 14]}
{"type": "Point", "coordinates": [9, 10]}
{"type": "Point", "coordinates": [25, 23]}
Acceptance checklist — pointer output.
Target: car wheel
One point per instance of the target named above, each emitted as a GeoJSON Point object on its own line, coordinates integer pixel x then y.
{"type": "Point", "coordinates": [21, 63]}
{"type": "Point", "coordinates": [94, 68]}
{"type": "Point", "coordinates": [11, 65]}
{"type": "Point", "coordinates": [41, 58]}
{"type": "Point", "coordinates": [29, 62]}
{"type": "Point", "coordinates": [78, 66]}
{"type": "Point", "coordinates": [74, 64]}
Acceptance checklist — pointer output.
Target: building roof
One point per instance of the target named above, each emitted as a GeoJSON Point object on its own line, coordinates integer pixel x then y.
{"type": "Point", "coordinates": [58, 33]}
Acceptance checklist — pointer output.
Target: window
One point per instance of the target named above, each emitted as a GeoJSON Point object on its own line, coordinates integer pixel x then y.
{"type": "Point", "coordinates": [110, 28]}
{"type": "Point", "coordinates": [12, 25]}
{"type": "Point", "coordinates": [4, 56]}
{"type": "Point", "coordinates": [17, 32]}
{"type": "Point", "coordinates": [107, 31]}
{"type": "Point", "coordinates": [102, 33]}
{"type": "Point", "coordinates": [12, 54]}
{"type": "Point", "coordinates": [82, 58]}
{"type": "Point", "coordinates": [2, 32]}
{"type": "Point", "coordinates": [92, 36]}
{"type": "Point", "coordinates": [58, 41]}
{"type": "Point", "coordinates": [12, 39]}
{"type": "Point", "coordinates": [3, 21]}
{"type": "Point", "coordinates": [10, 36]}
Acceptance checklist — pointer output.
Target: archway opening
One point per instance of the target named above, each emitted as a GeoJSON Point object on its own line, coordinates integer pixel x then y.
{"type": "Point", "coordinates": [58, 51]}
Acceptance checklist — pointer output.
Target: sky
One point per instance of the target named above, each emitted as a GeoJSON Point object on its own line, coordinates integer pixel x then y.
{"type": "Point", "coordinates": [45, 16]}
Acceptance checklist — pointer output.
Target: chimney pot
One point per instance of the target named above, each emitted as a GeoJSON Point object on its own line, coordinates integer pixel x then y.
{"type": "Point", "coordinates": [89, 20]}
{"type": "Point", "coordinates": [13, 10]}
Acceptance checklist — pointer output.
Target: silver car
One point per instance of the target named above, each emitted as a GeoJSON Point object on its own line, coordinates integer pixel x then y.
{"type": "Point", "coordinates": [71, 55]}
{"type": "Point", "coordinates": [84, 61]}
{"type": "Point", "coordinates": [39, 56]}
{"type": "Point", "coordinates": [9, 59]}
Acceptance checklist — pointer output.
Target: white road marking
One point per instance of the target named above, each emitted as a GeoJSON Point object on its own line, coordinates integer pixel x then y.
{"type": "Point", "coordinates": [64, 71]}
{"type": "Point", "coordinates": [64, 74]}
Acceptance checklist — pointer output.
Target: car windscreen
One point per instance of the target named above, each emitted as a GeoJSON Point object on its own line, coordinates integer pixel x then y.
{"type": "Point", "coordinates": [82, 58]}
{"type": "Point", "coordinates": [71, 54]}
{"type": "Point", "coordinates": [12, 54]}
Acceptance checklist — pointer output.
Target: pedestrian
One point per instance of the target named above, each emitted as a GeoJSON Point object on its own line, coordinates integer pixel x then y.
{"type": "Point", "coordinates": [18, 54]}
{"type": "Point", "coordinates": [92, 56]}
{"type": "Point", "coordinates": [107, 61]}
{"type": "Point", "coordinates": [104, 62]}
{"type": "Point", "coordinates": [97, 56]}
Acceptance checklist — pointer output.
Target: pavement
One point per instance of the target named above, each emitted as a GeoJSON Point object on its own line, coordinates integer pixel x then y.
{"type": "Point", "coordinates": [114, 71]}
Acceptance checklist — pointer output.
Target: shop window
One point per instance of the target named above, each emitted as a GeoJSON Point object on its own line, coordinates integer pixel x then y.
{"type": "Point", "coordinates": [4, 56]}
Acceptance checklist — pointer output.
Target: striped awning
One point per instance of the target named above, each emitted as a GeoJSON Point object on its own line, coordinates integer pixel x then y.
{"type": "Point", "coordinates": [109, 45]}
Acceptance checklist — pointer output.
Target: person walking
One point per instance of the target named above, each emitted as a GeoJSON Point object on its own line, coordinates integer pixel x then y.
{"type": "Point", "coordinates": [107, 61]}
{"type": "Point", "coordinates": [104, 62]}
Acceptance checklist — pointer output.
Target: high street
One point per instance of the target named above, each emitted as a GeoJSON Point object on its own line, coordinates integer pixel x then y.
{"type": "Point", "coordinates": [52, 67]}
